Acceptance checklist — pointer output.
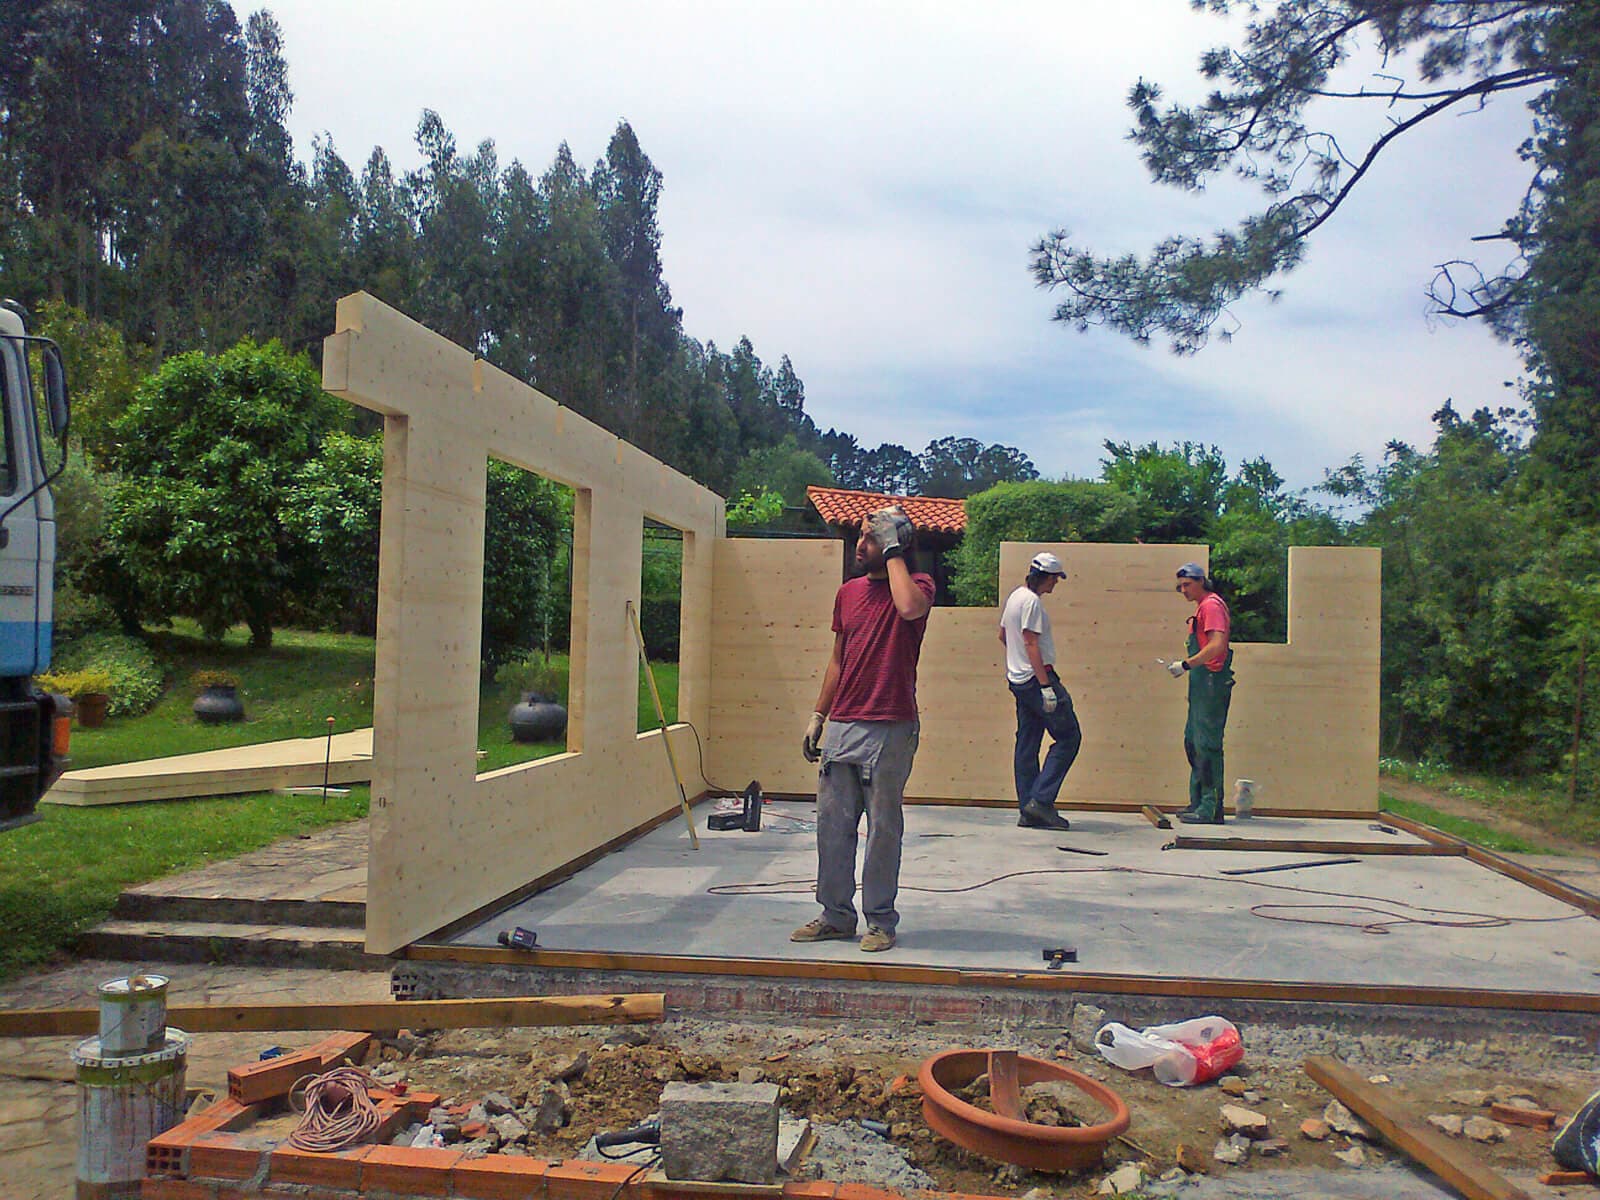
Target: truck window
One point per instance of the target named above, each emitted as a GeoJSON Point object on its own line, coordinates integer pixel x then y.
{"type": "Point", "coordinates": [8, 471]}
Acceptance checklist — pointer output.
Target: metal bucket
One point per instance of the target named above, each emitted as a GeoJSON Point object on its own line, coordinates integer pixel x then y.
{"type": "Point", "coordinates": [123, 1102]}
{"type": "Point", "coordinates": [1244, 798]}
{"type": "Point", "coordinates": [133, 1015]}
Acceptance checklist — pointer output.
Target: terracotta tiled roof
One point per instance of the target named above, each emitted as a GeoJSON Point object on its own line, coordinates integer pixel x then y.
{"type": "Point", "coordinates": [930, 514]}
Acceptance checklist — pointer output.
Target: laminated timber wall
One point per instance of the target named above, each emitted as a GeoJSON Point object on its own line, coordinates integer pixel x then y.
{"type": "Point", "coordinates": [1304, 716]}
{"type": "Point", "coordinates": [444, 840]}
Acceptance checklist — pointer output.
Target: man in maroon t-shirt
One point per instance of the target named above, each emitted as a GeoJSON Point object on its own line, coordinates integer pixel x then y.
{"type": "Point", "coordinates": [864, 732]}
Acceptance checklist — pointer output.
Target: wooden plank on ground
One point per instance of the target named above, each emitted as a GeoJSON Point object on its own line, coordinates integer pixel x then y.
{"type": "Point", "coordinates": [1447, 1159]}
{"type": "Point", "coordinates": [1314, 846]}
{"type": "Point", "coordinates": [1155, 816]}
{"type": "Point", "coordinates": [618, 1009]}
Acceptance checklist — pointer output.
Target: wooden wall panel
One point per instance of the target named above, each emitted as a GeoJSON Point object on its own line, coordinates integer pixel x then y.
{"type": "Point", "coordinates": [445, 842]}
{"type": "Point", "coordinates": [1303, 723]}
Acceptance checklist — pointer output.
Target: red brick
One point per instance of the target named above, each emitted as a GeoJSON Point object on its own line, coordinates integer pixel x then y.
{"type": "Point", "coordinates": [413, 1171]}
{"type": "Point", "coordinates": [271, 1077]}
{"type": "Point", "coordinates": [341, 1169]}
{"type": "Point", "coordinates": [588, 1180]}
{"type": "Point", "coordinates": [819, 1189]}
{"type": "Point", "coordinates": [498, 1177]}
{"type": "Point", "coordinates": [860, 1191]}
{"type": "Point", "coordinates": [176, 1189]}
{"type": "Point", "coordinates": [223, 1156]}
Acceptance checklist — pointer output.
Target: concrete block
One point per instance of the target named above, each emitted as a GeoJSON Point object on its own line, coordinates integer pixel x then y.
{"type": "Point", "coordinates": [717, 1131]}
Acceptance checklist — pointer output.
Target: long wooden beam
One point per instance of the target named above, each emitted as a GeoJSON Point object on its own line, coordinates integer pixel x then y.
{"type": "Point", "coordinates": [1540, 882]}
{"type": "Point", "coordinates": [1447, 1159]}
{"type": "Point", "coordinates": [1155, 816]}
{"type": "Point", "coordinates": [1083, 981]}
{"type": "Point", "coordinates": [618, 1009]}
{"type": "Point", "coordinates": [1313, 846]}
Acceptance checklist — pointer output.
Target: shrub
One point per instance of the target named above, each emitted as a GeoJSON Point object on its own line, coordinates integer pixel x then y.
{"type": "Point", "coordinates": [78, 684]}
{"type": "Point", "coordinates": [135, 675]}
{"type": "Point", "coordinates": [1071, 511]}
{"type": "Point", "coordinates": [201, 680]}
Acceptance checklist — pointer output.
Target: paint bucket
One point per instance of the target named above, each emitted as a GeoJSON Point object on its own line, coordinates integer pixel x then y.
{"type": "Point", "coordinates": [133, 1015]}
{"type": "Point", "coordinates": [1244, 798]}
{"type": "Point", "coordinates": [124, 1100]}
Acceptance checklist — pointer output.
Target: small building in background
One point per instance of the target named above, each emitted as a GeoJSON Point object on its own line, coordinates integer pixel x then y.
{"type": "Point", "coordinates": [940, 524]}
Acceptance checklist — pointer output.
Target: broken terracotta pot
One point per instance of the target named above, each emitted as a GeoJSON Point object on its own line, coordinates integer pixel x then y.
{"type": "Point", "coordinates": [1006, 1134]}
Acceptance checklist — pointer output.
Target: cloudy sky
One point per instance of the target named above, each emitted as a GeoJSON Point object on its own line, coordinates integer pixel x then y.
{"type": "Point", "coordinates": [857, 184]}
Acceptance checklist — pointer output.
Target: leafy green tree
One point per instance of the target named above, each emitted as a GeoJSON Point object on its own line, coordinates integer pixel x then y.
{"type": "Point", "coordinates": [785, 469]}
{"type": "Point", "coordinates": [755, 510]}
{"type": "Point", "coordinates": [1258, 125]}
{"type": "Point", "coordinates": [528, 520]}
{"type": "Point", "coordinates": [102, 368]}
{"type": "Point", "coordinates": [205, 453]}
{"type": "Point", "coordinates": [1179, 491]}
{"type": "Point", "coordinates": [333, 506]}
{"type": "Point", "coordinates": [1075, 510]}
{"type": "Point", "coordinates": [957, 467]}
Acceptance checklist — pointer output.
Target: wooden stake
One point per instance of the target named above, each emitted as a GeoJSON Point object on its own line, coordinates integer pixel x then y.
{"type": "Point", "coordinates": [1445, 1158]}
{"type": "Point", "coordinates": [620, 1009]}
{"type": "Point", "coordinates": [1311, 846]}
{"type": "Point", "coordinates": [666, 738]}
{"type": "Point", "coordinates": [1155, 816]}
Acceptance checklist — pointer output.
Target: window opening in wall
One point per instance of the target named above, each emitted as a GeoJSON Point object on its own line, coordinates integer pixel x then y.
{"type": "Point", "coordinates": [660, 617]}
{"type": "Point", "coordinates": [525, 648]}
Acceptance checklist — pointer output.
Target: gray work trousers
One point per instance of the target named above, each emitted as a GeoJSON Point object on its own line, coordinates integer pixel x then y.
{"type": "Point", "coordinates": [843, 795]}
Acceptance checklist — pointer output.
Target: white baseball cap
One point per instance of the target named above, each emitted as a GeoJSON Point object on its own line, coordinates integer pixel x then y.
{"type": "Point", "coordinates": [1047, 564]}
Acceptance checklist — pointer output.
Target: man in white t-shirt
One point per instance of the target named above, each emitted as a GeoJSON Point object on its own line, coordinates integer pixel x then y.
{"type": "Point", "coordinates": [1042, 701]}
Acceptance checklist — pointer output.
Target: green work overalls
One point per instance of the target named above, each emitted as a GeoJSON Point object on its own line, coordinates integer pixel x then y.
{"type": "Point", "coordinates": [1209, 692]}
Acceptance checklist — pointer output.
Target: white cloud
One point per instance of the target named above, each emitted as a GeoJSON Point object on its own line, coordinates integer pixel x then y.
{"type": "Point", "coordinates": [857, 184]}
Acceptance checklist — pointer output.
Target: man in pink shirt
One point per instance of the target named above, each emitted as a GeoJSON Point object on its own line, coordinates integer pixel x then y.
{"type": "Point", "coordinates": [1209, 665]}
{"type": "Point", "coordinates": [864, 732]}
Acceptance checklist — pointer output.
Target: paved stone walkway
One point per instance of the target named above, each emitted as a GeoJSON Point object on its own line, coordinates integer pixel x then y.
{"type": "Point", "coordinates": [330, 864]}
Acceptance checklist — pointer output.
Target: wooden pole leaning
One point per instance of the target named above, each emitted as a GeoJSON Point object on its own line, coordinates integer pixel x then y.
{"type": "Point", "coordinates": [661, 716]}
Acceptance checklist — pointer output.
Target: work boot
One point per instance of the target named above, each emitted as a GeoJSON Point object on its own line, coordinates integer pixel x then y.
{"type": "Point", "coordinates": [820, 931]}
{"type": "Point", "coordinates": [1195, 817]}
{"type": "Point", "coordinates": [1036, 816]}
{"type": "Point", "coordinates": [877, 938]}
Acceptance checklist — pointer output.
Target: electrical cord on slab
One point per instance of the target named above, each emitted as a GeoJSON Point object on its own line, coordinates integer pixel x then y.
{"type": "Point", "coordinates": [338, 1111]}
{"type": "Point", "coordinates": [1436, 917]}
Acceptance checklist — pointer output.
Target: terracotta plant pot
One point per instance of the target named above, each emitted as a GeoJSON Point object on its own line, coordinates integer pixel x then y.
{"type": "Point", "coordinates": [92, 710]}
{"type": "Point", "coordinates": [218, 704]}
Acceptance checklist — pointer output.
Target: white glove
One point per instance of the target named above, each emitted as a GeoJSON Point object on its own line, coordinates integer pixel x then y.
{"type": "Point", "coordinates": [811, 744]}
{"type": "Point", "coordinates": [1176, 669]}
{"type": "Point", "coordinates": [1047, 695]}
{"type": "Point", "coordinates": [886, 527]}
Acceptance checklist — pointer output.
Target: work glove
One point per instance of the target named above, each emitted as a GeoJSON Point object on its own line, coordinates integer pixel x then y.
{"type": "Point", "coordinates": [887, 526]}
{"type": "Point", "coordinates": [1176, 669]}
{"type": "Point", "coordinates": [811, 744]}
{"type": "Point", "coordinates": [1047, 695]}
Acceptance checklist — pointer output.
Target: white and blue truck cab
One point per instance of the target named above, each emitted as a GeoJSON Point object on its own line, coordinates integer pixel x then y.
{"type": "Point", "coordinates": [28, 765]}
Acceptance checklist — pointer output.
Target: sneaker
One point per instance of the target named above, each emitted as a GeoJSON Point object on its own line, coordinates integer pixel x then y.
{"type": "Point", "coordinates": [820, 931]}
{"type": "Point", "coordinates": [1035, 816]}
{"type": "Point", "coordinates": [877, 939]}
{"type": "Point", "coordinates": [1194, 818]}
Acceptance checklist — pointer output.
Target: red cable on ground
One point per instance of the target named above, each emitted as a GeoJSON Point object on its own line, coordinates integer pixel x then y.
{"type": "Point", "coordinates": [338, 1110]}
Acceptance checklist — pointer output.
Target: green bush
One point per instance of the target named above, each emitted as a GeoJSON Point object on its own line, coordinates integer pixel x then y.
{"type": "Point", "coordinates": [135, 674]}
{"type": "Point", "coordinates": [76, 684]}
{"type": "Point", "coordinates": [1075, 510]}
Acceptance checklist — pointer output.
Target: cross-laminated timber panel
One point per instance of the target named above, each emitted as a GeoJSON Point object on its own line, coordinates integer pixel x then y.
{"type": "Point", "coordinates": [1304, 717]}
{"type": "Point", "coordinates": [444, 841]}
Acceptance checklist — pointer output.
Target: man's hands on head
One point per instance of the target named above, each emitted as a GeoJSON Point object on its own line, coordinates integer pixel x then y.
{"type": "Point", "coordinates": [811, 744]}
{"type": "Point", "coordinates": [888, 526]}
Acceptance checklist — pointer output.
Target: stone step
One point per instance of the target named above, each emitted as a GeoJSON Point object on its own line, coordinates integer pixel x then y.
{"type": "Point", "coordinates": [230, 942]}
{"type": "Point", "coordinates": [145, 905]}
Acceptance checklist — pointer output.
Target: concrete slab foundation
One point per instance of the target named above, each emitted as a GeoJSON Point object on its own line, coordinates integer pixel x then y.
{"type": "Point", "coordinates": [979, 895]}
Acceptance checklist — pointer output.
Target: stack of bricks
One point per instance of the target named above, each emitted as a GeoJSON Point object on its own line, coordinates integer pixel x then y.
{"type": "Point", "coordinates": [212, 1156]}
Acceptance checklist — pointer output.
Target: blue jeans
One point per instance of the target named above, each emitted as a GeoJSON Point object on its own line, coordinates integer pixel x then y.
{"type": "Point", "coordinates": [1039, 786]}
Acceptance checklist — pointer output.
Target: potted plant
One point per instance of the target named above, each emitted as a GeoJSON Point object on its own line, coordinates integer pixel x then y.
{"type": "Point", "coordinates": [218, 701]}
{"type": "Point", "coordinates": [89, 690]}
{"type": "Point", "coordinates": [539, 716]}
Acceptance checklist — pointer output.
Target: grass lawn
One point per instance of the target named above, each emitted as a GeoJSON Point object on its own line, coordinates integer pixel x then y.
{"type": "Point", "coordinates": [1470, 831]}
{"type": "Point", "coordinates": [1538, 803]}
{"type": "Point", "coordinates": [62, 874]}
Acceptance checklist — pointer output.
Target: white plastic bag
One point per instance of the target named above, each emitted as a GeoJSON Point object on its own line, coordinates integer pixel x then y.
{"type": "Point", "coordinates": [1178, 1054]}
